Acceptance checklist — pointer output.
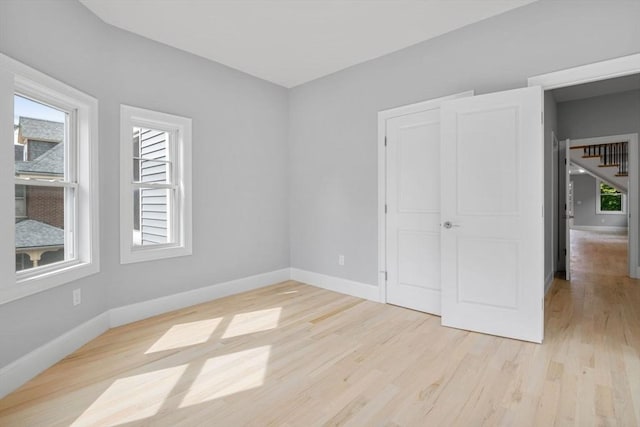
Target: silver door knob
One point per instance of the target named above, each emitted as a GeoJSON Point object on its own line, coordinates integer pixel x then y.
{"type": "Point", "coordinates": [447, 224]}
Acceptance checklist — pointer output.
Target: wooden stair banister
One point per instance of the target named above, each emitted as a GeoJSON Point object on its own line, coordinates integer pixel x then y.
{"type": "Point", "coordinates": [613, 154]}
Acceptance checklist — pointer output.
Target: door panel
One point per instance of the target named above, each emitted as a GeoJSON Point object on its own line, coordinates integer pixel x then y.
{"type": "Point", "coordinates": [492, 195]}
{"type": "Point", "coordinates": [476, 171]}
{"type": "Point", "coordinates": [413, 211]}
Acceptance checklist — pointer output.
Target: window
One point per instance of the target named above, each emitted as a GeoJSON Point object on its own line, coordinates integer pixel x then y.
{"type": "Point", "coordinates": [53, 180]}
{"type": "Point", "coordinates": [21, 202]}
{"type": "Point", "coordinates": [609, 200]}
{"type": "Point", "coordinates": [155, 199]}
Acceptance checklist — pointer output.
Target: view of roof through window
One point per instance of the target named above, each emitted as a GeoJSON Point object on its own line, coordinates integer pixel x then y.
{"type": "Point", "coordinates": [39, 137]}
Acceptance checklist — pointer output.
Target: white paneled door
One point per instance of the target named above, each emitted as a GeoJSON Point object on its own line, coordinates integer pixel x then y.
{"type": "Point", "coordinates": [413, 210]}
{"type": "Point", "coordinates": [492, 203]}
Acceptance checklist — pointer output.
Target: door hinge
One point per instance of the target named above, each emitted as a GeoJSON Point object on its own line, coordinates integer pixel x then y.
{"type": "Point", "coordinates": [542, 117]}
{"type": "Point", "coordinates": [385, 140]}
{"type": "Point", "coordinates": [565, 161]}
{"type": "Point", "coordinates": [385, 209]}
{"type": "Point", "coordinates": [565, 252]}
{"type": "Point", "coordinates": [386, 276]}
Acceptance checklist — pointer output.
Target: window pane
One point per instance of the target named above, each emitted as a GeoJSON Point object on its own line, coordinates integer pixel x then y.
{"type": "Point", "coordinates": [39, 138]}
{"type": "Point", "coordinates": [150, 171]}
{"type": "Point", "coordinates": [40, 237]}
{"type": "Point", "coordinates": [21, 203]}
{"type": "Point", "coordinates": [610, 198]}
{"type": "Point", "coordinates": [611, 203]}
{"type": "Point", "coordinates": [150, 155]}
{"type": "Point", "coordinates": [152, 209]}
{"type": "Point", "coordinates": [39, 152]}
{"type": "Point", "coordinates": [153, 144]}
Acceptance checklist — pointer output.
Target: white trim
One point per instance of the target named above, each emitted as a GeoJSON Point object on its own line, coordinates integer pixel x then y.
{"type": "Point", "coordinates": [597, 71]}
{"type": "Point", "coordinates": [180, 149]}
{"type": "Point", "coordinates": [633, 195]}
{"type": "Point", "coordinates": [598, 228]}
{"type": "Point", "coordinates": [603, 70]}
{"type": "Point", "coordinates": [31, 82]}
{"type": "Point", "coordinates": [143, 310]}
{"type": "Point", "coordinates": [28, 366]}
{"type": "Point", "coordinates": [383, 116]}
{"type": "Point", "coordinates": [336, 284]}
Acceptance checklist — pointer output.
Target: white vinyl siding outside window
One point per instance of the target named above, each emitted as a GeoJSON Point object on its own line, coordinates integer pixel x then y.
{"type": "Point", "coordinates": [155, 198]}
{"type": "Point", "coordinates": [42, 248]}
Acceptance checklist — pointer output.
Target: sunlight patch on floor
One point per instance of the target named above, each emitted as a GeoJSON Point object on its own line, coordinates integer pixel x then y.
{"type": "Point", "coordinates": [254, 321]}
{"type": "Point", "coordinates": [185, 334]}
{"type": "Point", "coordinates": [131, 398]}
{"type": "Point", "coordinates": [225, 375]}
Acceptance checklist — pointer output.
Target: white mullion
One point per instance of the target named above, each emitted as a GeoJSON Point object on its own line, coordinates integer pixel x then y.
{"type": "Point", "coordinates": [144, 159]}
{"type": "Point", "coordinates": [152, 185]}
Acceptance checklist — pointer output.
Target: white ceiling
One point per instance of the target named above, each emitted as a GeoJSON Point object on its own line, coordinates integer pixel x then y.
{"type": "Point", "coordinates": [597, 88]}
{"type": "Point", "coordinates": [290, 42]}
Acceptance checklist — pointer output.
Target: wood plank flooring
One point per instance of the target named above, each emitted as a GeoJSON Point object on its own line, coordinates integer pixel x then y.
{"type": "Point", "coordinates": [295, 355]}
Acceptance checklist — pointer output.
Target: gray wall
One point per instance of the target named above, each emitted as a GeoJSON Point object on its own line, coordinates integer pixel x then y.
{"type": "Point", "coordinates": [280, 178]}
{"type": "Point", "coordinates": [240, 214]}
{"type": "Point", "coordinates": [333, 120]}
{"type": "Point", "coordinates": [614, 114]}
{"type": "Point", "coordinates": [584, 205]}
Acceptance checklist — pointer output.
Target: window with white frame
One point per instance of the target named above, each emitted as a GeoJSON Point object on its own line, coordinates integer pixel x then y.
{"type": "Point", "coordinates": [155, 186]}
{"type": "Point", "coordinates": [609, 200]}
{"type": "Point", "coordinates": [53, 177]}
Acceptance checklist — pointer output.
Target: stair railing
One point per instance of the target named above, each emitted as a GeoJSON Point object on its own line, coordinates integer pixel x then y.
{"type": "Point", "coordinates": [613, 154]}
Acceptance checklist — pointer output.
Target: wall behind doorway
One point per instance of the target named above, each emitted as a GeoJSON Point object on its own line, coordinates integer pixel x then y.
{"type": "Point", "coordinates": [614, 114]}
{"type": "Point", "coordinates": [584, 205]}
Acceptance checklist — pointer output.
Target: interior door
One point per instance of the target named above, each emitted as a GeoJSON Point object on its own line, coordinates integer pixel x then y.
{"type": "Point", "coordinates": [492, 214]}
{"type": "Point", "coordinates": [413, 211]}
{"type": "Point", "coordinates": [568, 211]}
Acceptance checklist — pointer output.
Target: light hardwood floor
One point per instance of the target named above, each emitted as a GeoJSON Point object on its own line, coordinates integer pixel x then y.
{"type": "Point", "coordinates": [295, 355]}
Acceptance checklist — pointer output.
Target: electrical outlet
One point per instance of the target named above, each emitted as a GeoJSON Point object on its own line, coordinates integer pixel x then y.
{"type": "Point", "coordinates": [77, 297]}
{"type": "Point", "coordinates": [340, 259]}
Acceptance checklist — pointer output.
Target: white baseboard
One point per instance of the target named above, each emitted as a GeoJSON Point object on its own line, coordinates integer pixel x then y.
{"type": "Point", "coordinates": [143, 310]}
{"type": "Point", "coordinates": [598, 228]}
{"type": "Point", "coordinates": [28, 366]}
{"type": "Point", "coordinates": [547, 283]}
{"type": "Point", "coordinates": [336, 284]}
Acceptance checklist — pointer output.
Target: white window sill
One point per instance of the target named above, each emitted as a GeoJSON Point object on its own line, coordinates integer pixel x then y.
{"type": "Point", "coordinates": [37, 283]}
{"type": "Point", "coordinates": [153, 253]}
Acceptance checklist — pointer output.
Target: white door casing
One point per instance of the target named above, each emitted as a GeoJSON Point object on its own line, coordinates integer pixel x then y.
{"type": "Point", "coordinates": [492, 256]}
{"type": "Point", "coordinates": [568, 214]}
{"type": "Point", "coordinates": [597, 71]}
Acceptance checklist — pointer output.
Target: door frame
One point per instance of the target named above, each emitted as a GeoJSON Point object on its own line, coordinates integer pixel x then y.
{"type": "Point", "coordinates": [383, 116]}
{"type": "Point", "coordinates": [632, 193]}
{"type": "Point", "coordinates": [603, 70]}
